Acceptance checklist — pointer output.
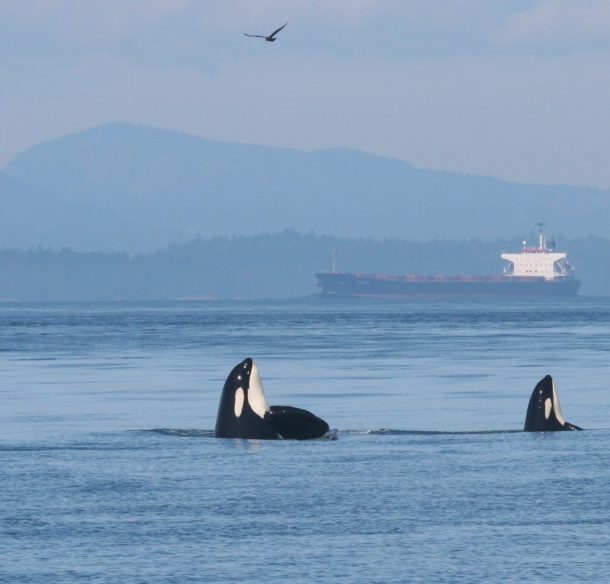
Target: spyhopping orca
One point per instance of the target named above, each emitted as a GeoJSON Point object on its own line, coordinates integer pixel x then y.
{"type": "Point", "coordinates": [244, 412]}
{"type": "Point", "coordinates": [544, 412]}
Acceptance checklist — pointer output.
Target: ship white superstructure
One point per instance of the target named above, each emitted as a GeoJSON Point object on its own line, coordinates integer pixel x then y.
{"type": "Point", "coordinates": [538, 262]}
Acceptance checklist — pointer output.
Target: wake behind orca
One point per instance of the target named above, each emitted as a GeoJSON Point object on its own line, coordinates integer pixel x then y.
{"type": "Point", "coordinates": [544, 411]}
{"type": "Point", "coordinates": [243, 411]}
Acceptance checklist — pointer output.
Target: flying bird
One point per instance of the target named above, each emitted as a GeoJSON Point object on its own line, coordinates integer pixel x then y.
{"type": "Point", "coordinates": [271, 38]}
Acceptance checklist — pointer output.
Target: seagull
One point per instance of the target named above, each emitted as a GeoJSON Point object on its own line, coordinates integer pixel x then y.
{"type": "Point", "coordinates": [271, 38]}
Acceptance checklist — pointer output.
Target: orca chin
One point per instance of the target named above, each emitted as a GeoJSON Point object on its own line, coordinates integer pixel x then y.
{"type": "Point", "coordinates": [544, 411]}
{"type": "Point", "coordinates": [243, 411]}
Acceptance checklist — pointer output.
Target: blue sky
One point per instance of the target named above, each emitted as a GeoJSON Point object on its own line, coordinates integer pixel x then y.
{"type": "Point", "coordinates": [518, 90]}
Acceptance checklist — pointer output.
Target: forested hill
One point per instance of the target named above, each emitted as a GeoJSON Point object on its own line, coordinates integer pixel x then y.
{"type": "Point", "coordinates": [265, 266]}
{"type": "Point", "coordinates": [136, 189]}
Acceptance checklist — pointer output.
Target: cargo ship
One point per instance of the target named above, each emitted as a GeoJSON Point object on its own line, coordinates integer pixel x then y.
{"type": "Point", "coordinates": [538, 271]}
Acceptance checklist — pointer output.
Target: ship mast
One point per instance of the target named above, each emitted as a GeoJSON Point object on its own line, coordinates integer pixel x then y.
{"type": "Point", "coordinates": [541, 242]}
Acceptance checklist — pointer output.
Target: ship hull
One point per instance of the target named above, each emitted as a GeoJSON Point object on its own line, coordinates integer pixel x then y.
{"type": "Point", "coordinates": [384, 286]}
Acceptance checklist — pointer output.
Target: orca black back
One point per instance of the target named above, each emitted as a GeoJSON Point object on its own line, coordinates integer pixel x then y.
{"type": "Point", "coordinates": [296, 424]}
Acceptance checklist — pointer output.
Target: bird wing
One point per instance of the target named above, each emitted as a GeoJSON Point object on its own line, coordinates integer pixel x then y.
{"type": "Point", "coordinates": [276, 31]}
{"type": "Point", "coordinates": [260, 36]}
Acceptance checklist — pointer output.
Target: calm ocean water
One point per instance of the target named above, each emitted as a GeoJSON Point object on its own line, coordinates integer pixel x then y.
{"type": "Point", "coordinates": [109, 473]}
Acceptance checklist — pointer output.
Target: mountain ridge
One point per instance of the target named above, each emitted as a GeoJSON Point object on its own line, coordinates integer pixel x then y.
{"type": "Point", "coordinates": [136, 188]}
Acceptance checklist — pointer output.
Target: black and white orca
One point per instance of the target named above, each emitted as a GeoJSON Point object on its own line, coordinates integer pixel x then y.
{"type": "Point", "coordinates": [244, 412]}
{"type": "Point", "coordinates": [543, 411]}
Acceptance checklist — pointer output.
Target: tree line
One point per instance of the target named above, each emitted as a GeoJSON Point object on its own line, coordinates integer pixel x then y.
{"type": "Point", "coordinates": [279, 265]}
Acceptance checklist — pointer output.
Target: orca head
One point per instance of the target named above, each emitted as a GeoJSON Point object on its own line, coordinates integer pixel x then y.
{"type": "Point", "coordinates": [544, 410]}
{"type": "Point", "coordinates": [242, 408]}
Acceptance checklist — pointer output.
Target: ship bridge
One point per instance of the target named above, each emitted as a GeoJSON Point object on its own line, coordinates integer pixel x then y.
{"type": "Point", "coordinates": [537, 262]}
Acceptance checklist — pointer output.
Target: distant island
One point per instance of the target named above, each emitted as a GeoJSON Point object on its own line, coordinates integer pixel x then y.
{"type": "Point", "coordinates": [128, 212]}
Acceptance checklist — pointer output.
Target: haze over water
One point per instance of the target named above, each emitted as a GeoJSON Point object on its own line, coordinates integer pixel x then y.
{"type": "Point", "coordinates": [109, 472]}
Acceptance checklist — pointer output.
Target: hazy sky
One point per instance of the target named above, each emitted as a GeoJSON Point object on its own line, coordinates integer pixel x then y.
{"type": "Point", "coordinates": [517, 89]}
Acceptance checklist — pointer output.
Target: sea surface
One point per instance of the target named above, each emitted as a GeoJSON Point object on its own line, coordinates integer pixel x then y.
{"type": "Point", "coordinates": [109, 471]}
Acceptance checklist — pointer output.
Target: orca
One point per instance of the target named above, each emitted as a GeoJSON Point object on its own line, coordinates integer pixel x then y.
{"type": "Point", "coordinates": [243, 411]}
{"type": "Point", "coordinates": [543, 411]}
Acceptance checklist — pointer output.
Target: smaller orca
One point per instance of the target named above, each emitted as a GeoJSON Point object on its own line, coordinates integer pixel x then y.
{"type": "Point", "coordinates": [543, 411]}
{"type": "Point", "coordinates": [243, 411]}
